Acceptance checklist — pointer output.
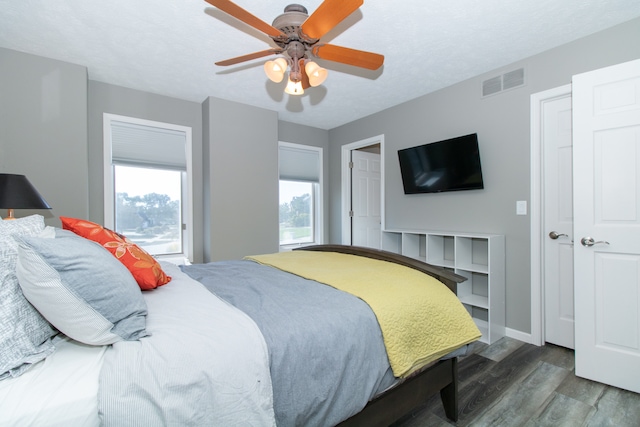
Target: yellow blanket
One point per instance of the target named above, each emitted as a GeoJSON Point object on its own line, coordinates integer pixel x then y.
{"type": "Point", "coordinates": [420, 318]}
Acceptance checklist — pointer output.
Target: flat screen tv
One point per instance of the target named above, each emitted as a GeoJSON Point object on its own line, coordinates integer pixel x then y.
{"type": "Point", "coordinates": [449, 165]}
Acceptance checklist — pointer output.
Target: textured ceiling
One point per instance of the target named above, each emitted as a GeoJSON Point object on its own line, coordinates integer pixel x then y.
{"type": "Point", "coordinates": [169, 47]}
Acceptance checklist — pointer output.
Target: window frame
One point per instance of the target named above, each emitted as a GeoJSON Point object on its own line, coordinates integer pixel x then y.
{"type": "Point", "coordinates": [317, 196]}
{"type": "Point", "coordinates": [187, 193]}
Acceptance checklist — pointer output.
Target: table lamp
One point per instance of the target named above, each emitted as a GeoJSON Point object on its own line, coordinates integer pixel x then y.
{"type": "Point", "coordinates": [16, 192]}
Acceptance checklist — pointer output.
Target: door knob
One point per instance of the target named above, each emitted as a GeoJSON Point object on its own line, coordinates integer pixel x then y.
{"type": "Point", "coordinates": [588, 241]}
{"type": "Point", "coordinates": [554, 235]}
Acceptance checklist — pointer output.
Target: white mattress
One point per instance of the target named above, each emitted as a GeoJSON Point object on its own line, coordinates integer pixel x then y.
{"type": "Point", "coordinates": [62, 390]}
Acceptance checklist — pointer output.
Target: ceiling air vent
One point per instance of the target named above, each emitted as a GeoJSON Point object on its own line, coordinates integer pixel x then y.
{"type": "Point", "coordinates": [503, 82]}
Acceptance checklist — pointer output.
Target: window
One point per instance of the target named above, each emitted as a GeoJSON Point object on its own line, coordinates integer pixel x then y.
{"type": "Point", "coordinates": [148, 204]}
{"type": "Point", "coordinates": [297, 212]}
{"type": "Point", "coordinates": [147, 166]}
{"type": "Point", "coordinates": [300, 170]}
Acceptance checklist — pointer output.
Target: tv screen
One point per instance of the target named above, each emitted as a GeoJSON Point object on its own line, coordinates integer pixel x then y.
{"type": "Point", "coordinates": [449, 165]}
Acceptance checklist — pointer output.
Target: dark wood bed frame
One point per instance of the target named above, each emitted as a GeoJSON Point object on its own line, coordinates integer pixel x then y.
{"type": "Point", "coordinates": [413, 392]}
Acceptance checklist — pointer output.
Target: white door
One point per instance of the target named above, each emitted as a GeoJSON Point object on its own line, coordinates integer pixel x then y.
{"type": "Point", "coordinates": [606, 114]}
{"type": "Point", "coordinates": [558, 221]}
{"type": "Point", "coordinates": [365, 199]}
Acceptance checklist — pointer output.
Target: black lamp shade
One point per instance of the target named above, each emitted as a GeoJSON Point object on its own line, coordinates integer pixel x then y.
{"type": "Point", "coordinates": [16, 192]}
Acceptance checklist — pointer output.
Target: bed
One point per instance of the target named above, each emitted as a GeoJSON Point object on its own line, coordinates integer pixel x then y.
{"type": "Point", "coordinates": [225, 343]}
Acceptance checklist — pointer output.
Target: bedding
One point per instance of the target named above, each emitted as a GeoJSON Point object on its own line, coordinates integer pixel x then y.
{"type": "Point", "coordinates": [327, 359]}
{"type": "Point", "coordinates": [144, 268]}
{"type": "Point", "coordinates": [205, 361]}
{"type": "Point", "coordinates": [421, 320]}
{"type": "Point", "coordinates": [25, 336]}
{"type": "Point", "coordinates": [60, 391]}
{"type": "Point", "coordinates": [231, 343]}
{"type": "Point", "coordinates": [52, 270]}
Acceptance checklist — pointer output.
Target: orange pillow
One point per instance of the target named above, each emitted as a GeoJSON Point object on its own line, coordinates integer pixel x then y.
{"type": "Point", "coordinates": [144, 268]}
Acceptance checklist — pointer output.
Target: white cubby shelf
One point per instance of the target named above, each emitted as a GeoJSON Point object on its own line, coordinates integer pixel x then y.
{"type": "Point", "coordinates": [478, 257]}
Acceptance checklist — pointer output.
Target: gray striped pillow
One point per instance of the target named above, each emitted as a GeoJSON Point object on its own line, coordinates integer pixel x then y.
{"type": "Point", "coordinates": [80, 288]}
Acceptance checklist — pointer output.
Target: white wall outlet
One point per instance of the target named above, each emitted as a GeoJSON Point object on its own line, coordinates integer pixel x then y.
{"type": "Point", "coordinates": [521, 207]}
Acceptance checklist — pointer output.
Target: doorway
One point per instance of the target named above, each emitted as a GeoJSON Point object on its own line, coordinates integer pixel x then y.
{"type": "Point", "coordinates": [366, 150]}
{"type": "Point", "coordinates": [552, 218]}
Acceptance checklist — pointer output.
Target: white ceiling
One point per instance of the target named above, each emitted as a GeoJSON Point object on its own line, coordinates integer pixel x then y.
{"type": "Point", "coordinates": [169, 47]}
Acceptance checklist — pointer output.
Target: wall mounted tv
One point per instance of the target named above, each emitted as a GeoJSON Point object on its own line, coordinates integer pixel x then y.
{"type": "Point", "coordinates": [449, 165]}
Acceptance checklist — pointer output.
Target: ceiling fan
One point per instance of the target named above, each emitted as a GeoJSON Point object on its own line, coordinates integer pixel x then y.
{"type": "Point", "coordinates": [297, 35]}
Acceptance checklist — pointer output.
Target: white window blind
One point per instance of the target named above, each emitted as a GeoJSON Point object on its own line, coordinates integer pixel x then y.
{"type": "Point", "coordinates": [298, 164]}
{"type": "Point", "coordinates": [133, 143]}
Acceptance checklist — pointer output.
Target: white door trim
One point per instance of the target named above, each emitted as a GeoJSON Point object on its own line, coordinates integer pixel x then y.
{"type": "Point", "coordinates": [537, 176]}
{"type": "Point", "coordinates": [346, 183]}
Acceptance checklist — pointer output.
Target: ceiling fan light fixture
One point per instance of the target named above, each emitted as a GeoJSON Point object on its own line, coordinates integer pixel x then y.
{"type": "Point", "coordinates": [297, 35]}
{"type": "Point", "coordinates": [275, 69]}
{"type": "Point", "coordinates": [317, 75]}
{"type": "Point", "coordinates": [294, 88]}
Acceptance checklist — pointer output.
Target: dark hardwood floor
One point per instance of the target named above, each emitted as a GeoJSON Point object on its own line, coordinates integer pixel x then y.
{"type": "Point", "coordinates": [511, 383]}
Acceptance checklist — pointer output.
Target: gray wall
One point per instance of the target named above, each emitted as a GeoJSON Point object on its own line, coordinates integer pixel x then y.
{"type": "Point", "coordinates": [300, 134]}
{"type": "Point", "coordinates": [502, 122]}
{"type": "Point", "coordinates": [106, 98]}
{"type": "Point", "coordinates": [51, 129]}
{"type": "Point", "coordinates": [43, 130]}
{"type": "Point", "coordinates": [241, 213]}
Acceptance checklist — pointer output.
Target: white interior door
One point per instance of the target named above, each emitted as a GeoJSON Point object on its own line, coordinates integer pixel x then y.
{"type": "Point", "coordinates": [558, 221]}
{"type": "Point", "coordinates": [606, 162]}
{"type": "Point", "coordinates": [366, 202]}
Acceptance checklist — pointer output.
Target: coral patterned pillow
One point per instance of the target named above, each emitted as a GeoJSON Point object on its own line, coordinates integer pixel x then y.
{"type": "Point", "coordinates": [144, 268]}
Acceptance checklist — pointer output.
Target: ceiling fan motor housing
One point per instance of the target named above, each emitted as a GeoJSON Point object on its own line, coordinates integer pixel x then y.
{"type": "Point", "coordinates": [289, 23]}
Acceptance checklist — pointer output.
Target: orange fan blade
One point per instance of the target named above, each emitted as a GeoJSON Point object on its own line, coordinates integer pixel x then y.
{"type": "Point", "coordinates": [329, 14]}
{"type": "Point", "coordinates": [345, 55]}
{"type": "Point", "coordinates": [246, 17]}
{"type": "Point", "coordinates": [249, 57]}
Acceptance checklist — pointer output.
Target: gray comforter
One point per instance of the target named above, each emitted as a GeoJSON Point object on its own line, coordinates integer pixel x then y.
{"type": "Point", "coordinates": [327, 356]}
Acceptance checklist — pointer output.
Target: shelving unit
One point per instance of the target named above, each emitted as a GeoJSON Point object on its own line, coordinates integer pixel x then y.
{"type": "Point", "coordinates": [478, 257]}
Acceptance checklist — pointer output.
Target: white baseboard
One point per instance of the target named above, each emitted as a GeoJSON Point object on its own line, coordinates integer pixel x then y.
{"type": "Point", "coordinates": [519, 335]}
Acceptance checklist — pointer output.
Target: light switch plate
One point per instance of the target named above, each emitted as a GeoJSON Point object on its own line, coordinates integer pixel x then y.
{"type": "Point", "coordinates": [521, 207]}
